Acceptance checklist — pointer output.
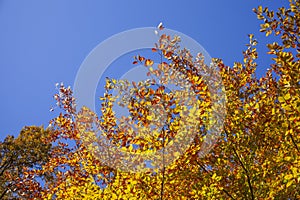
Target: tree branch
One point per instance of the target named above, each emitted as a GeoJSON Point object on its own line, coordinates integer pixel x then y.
{"type": "Point", "coordinates": [4, 167]}
{"type": "Point", "coordinates": [223, 190]}
{"type": "Point", "coordinates": [163, 169]}
{"type": "Point", "coordinates": [246, 172]}
{"type": "Point", "coordinates": [294, 143]}
{"type": "Point", "coordinates": [3, 193]}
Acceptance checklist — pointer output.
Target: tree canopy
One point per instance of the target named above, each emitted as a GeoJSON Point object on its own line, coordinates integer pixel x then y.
{"type": "Point", "coordinates": [255, 154]}
{"type": "Point", "coordinates": [28, 150]}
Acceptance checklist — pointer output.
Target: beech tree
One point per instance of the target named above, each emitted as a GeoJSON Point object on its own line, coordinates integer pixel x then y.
{"type": "Point", "coordinates": [256, 155]}
{"type": "Point", "coordinates": [28, 150]}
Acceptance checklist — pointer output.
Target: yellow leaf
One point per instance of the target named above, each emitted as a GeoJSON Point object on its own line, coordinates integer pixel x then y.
{"type": "Point", "coordinates": [114, 81]}
{"type": "Point", "coordinates": [149, 62]}
{"type": "Point", "coordinates": [287, 96]}
{"type": "Point", "coordinates": [114, 196]}
{"type": "Point", "coordinates": [289, 183]}
{"type": "Point", "coordinates": [268, 32]}
{"type": "Point", "coordinates": [130, 148]}
{"type": "Point", "coordinates": [281, 99]}
{"type": "Point", "coordinates": [214, 176]}
{"type": "Point", "coordinates": [149, 117]}
{"type": "Point", "coordinates": [288, 158]}
{"type": "Point", "coordinates": [260, 9]}
{"type": "Point", "coordinates": [288, 176]}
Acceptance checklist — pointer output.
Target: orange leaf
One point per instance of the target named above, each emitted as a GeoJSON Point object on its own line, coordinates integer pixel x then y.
{"type": "Point", "coordinates": [149, 62]}
{"type": "Point", "coordinates": [134, 84]}
{"type": "Point", "coordinates": [141, 58]}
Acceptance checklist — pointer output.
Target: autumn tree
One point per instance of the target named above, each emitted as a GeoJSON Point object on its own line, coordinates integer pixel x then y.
{"type": "Point", "coordinates": [28, 150]}
{"type": "Point", "coordinates": [255, 154]}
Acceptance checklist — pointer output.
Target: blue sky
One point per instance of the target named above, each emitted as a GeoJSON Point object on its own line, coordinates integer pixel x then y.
{"type": "Point", "coordinates": [44, 42]}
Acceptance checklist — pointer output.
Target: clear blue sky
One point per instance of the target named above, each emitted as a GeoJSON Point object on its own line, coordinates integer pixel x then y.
{"type": "Point", "coordinates": [44, 42]}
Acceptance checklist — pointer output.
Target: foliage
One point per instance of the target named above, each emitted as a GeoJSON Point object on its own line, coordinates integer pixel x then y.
{"type": "Point", "coordinates": [28, 150]}
{"type": "Point", "coordinates": [256, 157]}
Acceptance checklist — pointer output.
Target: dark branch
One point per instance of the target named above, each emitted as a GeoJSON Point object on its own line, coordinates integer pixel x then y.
{"type": "Point", "coordinates": [294, 143]}
{"type": "Point", "coordinates": [223, 190]}
{"type": "Point", "coordinates": [246, 172]}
